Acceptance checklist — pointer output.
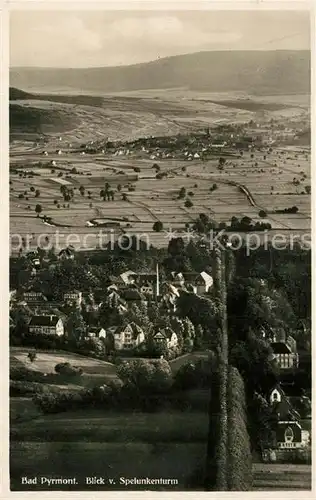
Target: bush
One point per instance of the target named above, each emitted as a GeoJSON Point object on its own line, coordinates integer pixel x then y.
{"type": "Point", "coordinates": [194, 375]}
{"type": "Point", "coordinates": [67, 370]}
{"type": "Point", "coordinates": [158, 226]}
{"type": "Point", "coordinates": [50, 402]}
{"type": "Point", "coordinates": [32, 356]}
{"type": "Point", "coordinates": [20, 388]}
{"type": "Point", "coordinates": [188, 204]}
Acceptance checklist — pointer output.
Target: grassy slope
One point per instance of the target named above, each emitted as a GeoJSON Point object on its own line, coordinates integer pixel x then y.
{"type": "Point", "coordinates": [46, 361]}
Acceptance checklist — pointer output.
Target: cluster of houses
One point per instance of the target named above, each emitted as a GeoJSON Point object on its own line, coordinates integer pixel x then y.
{"type": "Point", "coordinates": [136, 288]}
{"type": "Point", "coordinates": [127, 289]}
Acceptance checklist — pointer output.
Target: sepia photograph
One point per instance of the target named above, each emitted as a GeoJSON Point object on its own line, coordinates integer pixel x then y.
{"type": "Point", "coordinates": [160, 250]}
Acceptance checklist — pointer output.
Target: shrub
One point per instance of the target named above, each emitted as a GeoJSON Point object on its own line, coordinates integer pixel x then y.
{"type": "Point", "coordinates": [158, 226]}
{"type": "Point", "coordinates": [50, 402]}
{"type": "Point", "coordinates": [262, 213]}
{"type": "Point", "coordinates": [21, 388]}
{"type": "Point", "coordinates": [32, 356]}
{"type": "Point", "coordinates": [188, 204]}
{"type": "Point", "coordinates": [67, 370]}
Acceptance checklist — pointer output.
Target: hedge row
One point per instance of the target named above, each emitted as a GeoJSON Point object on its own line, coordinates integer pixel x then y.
{"type": "Point", "coordinates": [239, 470]}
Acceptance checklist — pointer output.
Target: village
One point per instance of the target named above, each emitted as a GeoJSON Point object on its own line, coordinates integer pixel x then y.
{"type": "Point", "coordinates": [159, 323]}
{"type": "Point", "coordinates": [114, 323]}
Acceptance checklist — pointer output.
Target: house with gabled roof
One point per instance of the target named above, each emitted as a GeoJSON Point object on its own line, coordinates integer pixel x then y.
{"type": "Point", "coordinates": [127, 337]}
{"type": "Point", "coordinates": [46, 325]}
{"type": "Point", "coordinates": [168, 336]}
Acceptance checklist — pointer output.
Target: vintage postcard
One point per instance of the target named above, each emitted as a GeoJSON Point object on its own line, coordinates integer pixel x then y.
{"type": "Point", "coordinates": [160, 249]}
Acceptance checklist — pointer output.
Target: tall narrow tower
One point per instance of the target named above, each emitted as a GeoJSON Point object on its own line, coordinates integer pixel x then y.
{"type": "Point", "coordinates": [157, 280]}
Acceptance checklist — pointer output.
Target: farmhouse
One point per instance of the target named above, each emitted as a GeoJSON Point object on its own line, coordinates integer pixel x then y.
{"type": "Point", "coordinates": [48, 325]}
{"type": "Point", "coordinates": [128, 337]}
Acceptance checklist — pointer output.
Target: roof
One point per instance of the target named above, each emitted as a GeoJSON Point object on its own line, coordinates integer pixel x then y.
{"type": "Point", "coordinates": [125, 277]}
{"type": "Point", "coordinates": [190, 276]}
{"type": "Point", "coordinates": [132, 294]}
{"type": "Point", "coordinates": [172, 289]}
{"type": "Point", "coordinates": [136, 329]}
{"type": "Point", "coordinates": [207, 278]}
{"type": "Point", "coordinates": [147, 277]}
{"type": "Point", "coordinates": [146, 284]}
{"type": "Point", "coordinates": [44, 321]}
{"type": "Point", "coordinates": [73, 292]}
{"type": "Point", "coordinates": [95, 329]}
{"type": "Point", "coordinates": [167, 332]}
{"type": "Point", "coordinates": [280, 348]}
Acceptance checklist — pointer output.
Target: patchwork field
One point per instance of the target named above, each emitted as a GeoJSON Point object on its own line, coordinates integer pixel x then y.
{"type": "Point", "coordinates": [276, 180]}
{"type": "Point", "coordinates": [271, 182]}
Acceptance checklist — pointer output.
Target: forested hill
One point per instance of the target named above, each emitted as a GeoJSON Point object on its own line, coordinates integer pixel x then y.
{"type": "Point", "coordinates": [260, 72]}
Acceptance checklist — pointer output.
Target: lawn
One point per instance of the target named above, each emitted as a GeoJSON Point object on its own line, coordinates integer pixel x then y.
{"type": "Point", "coordinates": [46, 361]}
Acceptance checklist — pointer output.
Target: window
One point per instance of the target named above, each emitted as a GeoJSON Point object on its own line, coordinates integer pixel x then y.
{"type": "Point", "coordinates": [288, 435]}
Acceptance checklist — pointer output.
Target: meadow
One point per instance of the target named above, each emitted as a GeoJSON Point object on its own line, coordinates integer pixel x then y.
{"type": "Point", "coordinates": [92, 444]}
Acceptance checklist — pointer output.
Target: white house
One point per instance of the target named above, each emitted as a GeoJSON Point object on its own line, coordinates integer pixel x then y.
{"type": "Point", "coordinates": [284, 356]}
{"type": "Point", "coordinates": [128, 337]}
{"type": "Point", "coordinates": [48, 325]}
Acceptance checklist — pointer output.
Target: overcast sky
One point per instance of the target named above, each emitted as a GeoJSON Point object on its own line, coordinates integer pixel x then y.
{"type": "Point", "coordinates": [107, 38]}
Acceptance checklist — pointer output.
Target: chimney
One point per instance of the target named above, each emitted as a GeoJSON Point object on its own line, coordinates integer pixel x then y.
{"type": "Point", "coordinates": [157, 280]}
